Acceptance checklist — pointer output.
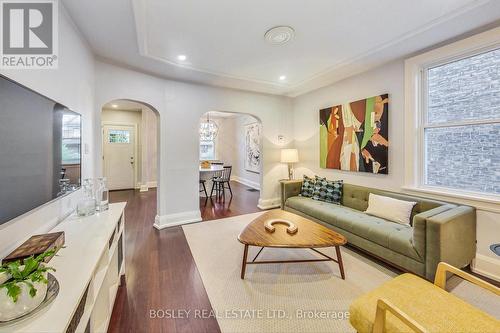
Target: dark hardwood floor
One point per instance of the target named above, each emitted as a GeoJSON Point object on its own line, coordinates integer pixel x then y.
{"type": "Point", "coordinates": [160, 271]}
{"type": "Point", "coordinates": [244, 201]}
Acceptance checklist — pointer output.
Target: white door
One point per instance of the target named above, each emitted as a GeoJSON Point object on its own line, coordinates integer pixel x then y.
{"type": "Point", "coordinates": [119, 156]}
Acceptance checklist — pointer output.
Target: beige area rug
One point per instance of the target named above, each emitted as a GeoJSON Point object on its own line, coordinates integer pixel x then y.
{"type": "Point", "coordinates": [300, 297]}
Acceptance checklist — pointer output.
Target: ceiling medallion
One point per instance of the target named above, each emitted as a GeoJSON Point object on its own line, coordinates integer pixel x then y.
{"type": "Point", "coordinates": [279, 35]}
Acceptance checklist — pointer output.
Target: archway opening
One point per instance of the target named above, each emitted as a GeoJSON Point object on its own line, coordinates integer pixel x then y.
{"type": "Point", "coordinates": [130, 147]}
{"type": "Point", "coordinates": [231, 164]}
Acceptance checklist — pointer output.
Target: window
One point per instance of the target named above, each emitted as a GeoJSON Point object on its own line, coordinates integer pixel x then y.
{"type": "Point", "coordinates": [461, 124]}
{"type": "Point", "coordinates": [119, 136]}
{"type": "Point", "coordinates": [70, 139]}
{"type": "Point", "coordinates": [207, 150]}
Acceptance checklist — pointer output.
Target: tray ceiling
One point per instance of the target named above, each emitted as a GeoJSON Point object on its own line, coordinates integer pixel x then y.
{"type": "Point", "coordinates": [224, 44]}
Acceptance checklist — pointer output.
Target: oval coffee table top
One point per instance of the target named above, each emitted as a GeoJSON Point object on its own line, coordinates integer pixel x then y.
{"type": "Point", "coordinates": [310, 233]}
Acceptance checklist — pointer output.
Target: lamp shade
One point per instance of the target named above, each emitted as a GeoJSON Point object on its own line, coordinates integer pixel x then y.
{"type": "Point", "coordinates": [289, 155]}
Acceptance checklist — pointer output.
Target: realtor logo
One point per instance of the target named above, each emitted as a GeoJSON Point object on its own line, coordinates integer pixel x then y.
{"type": "Point", "coordinates": [29, 34]}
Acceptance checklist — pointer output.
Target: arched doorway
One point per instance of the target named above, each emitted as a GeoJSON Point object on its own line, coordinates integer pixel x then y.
{"type": "Point", "coordinates": [130, 146]}
{"type": "Point", "coordinates": [231, 140]}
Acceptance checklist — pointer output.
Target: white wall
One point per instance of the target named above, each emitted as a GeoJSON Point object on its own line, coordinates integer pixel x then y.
{"type": "Point", "coordinates": [385, 79]}
{"type": "Point", "coordinates": [149, 148]}
{"type": "Point", "coordinates": [72, 84]}
{"type": "Point", "coordinates": [180, 106]}
{"type": "Point", "coordinates": [230, 148]}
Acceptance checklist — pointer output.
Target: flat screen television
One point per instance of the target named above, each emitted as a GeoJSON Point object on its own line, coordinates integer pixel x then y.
{"type": "Point", "coordinates": [40, 150]}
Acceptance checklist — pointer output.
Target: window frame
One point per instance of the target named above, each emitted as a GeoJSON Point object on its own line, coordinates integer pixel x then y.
{"type": "Point", "coordinates": [214, 142]}
{"type": "Point", "coordinates": [416, 106]}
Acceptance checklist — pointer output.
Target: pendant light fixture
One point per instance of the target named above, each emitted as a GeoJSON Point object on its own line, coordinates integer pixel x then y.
{"type": "Point", "coordinates": [208, 129]}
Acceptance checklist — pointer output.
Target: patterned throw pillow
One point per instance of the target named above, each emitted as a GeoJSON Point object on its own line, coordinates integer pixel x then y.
{"type": "Point", "coordinates": [307, 187]}
{"type": "Point", "coordinates": [328, 190]}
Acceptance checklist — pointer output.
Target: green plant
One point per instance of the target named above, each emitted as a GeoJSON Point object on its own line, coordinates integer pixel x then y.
{"type": "Point", "coordinates": [30, 272]}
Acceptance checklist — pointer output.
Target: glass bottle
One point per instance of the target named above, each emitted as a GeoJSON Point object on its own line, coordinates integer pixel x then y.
{"type": "Point", "coordinates": [87, 205]}
{"type": "Point", "coordinates": [102, 195]}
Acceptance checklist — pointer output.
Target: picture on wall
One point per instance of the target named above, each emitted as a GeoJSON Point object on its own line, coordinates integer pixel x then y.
{"type": "Point", "coordinates": [253, 157]}
{"type": "Point", "coordinates": [354, 136]}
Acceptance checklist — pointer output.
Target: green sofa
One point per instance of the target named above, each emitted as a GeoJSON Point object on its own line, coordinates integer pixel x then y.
{"type": "Point", "coordinates": [440, 231]}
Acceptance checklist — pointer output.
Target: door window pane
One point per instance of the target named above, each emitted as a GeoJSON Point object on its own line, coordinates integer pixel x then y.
{"type": "Point", "coordinates": [118, 136]}
{"type": "Point", "coordinates": [464, 157]}
{"type": "Point", "coordinates": [463, 90]}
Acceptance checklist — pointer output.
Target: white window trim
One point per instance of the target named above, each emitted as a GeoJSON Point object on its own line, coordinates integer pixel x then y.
{"type": "Point", "coordinates": [415, 100]}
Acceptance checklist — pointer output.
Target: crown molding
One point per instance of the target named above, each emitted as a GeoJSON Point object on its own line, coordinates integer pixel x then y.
{"type": "Point", "coordinates": [317, 80]}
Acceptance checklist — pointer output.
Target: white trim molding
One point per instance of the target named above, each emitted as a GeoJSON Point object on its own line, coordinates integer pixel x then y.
{"type": "Point", "coordinates": [479, 201]}
{"type": "Point", "coordinates": [172, 220]}
{"type": "Point", "coordinates": [269, 203]}
{"type": "Point", "coordinates": [415, 103]}
{"type": "Point", "coordinates": [147, 186]}
{"type": "Point", "coordinates": [487, 266]}
{"type": "Point", "coordinates": [246, 182]}
{"type": "Point", "coordinates": [136, 145]}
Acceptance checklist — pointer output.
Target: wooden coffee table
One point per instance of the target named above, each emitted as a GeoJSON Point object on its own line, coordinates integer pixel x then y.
{"type": "Point", "coordinates": [310, 235]}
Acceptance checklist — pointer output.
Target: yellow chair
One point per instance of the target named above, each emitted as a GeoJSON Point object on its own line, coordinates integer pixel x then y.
{"type": "Point", "coordinates": [409, 303]}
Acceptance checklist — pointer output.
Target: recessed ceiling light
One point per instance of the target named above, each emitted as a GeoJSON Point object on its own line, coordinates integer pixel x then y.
{"type": "Point", "coordinates": [279, 35]}
{"type": "Point", "coordinates": [181, 57]}
{"type": "Point", "coordinates": [114, 105]}
{"type": "Point", "coordinates": [282, 78]}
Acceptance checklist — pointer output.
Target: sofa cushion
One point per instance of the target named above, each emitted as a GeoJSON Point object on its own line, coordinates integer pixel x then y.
{"type": "Point", "coordinates": [391, 235]}
{"type": "Point", "coordinates": [391, 209]}
{"type": "Point", "coordinates": [356, 197]}
{"type": "Point", "coordinates": [318, 209]}
{"type": "Point", "coordinates": [327, 190]}
{"type": "Point", "coordinates": [307, 189]}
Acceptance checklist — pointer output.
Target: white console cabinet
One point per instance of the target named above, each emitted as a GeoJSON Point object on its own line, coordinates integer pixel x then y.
{"type": "Point", "coordinates": [89, 271]}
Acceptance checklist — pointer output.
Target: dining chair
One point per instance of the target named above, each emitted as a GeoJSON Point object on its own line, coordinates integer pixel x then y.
{"type": "Point", "coordinates": [203, 189]}
{"type": "Point", "coordinates": [219, 182]}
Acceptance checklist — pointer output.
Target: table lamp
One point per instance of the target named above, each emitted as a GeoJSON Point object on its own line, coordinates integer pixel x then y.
{"type": "Point", "coordinates": [289, 156]}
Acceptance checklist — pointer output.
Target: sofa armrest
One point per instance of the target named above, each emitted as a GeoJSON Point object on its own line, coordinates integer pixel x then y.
{"type": "Point", "coordinates": [419, 221]}
{"type": "Point", "coordinates": [451, 238]}
{"type": "Point", "coordinates": [289, 188]}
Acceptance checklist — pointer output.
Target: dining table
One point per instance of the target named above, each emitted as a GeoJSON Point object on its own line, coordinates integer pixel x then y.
{"type": "Point", "coordinates": [207, 174]}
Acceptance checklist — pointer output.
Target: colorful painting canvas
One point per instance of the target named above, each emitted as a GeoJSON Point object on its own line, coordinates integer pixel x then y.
{"type": "Point", "coordinates": [252, 147]}
{"type": "Point", "coordinates": [354, 136]}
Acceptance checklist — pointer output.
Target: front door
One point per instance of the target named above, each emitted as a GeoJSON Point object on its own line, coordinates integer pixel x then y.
{"type": "Point", "coordinates": [119, 156]}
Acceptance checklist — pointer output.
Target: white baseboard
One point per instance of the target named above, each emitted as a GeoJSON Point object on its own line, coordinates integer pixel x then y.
{"type": "Point", "coordinates": [246, 182]}
{"type": "Point", "coordinates": [269, 203]}
{"type": "Point", "coordinates": [171, 220]}
{"type": "Point", "coordinates": [487, 266]}
{"type": "Point", "coordinates": [147, 186]}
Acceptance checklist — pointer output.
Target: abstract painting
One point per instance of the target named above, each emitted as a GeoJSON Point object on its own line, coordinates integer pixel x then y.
{"type": "Point", "coordinates": [354, 136]}
{"type": "Point", "coordinates": [252, 147]}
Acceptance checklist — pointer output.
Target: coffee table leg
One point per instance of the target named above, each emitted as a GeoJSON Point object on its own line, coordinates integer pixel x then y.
{"type": "Point", "coordinates": [341, 264]}
{"type": "Point", "coordinates": [244, 263]}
